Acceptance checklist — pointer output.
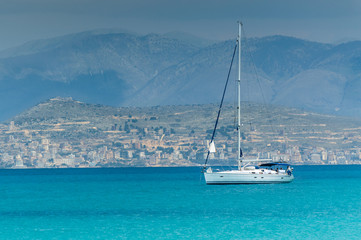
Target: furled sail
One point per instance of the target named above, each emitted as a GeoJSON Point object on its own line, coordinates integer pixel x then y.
{"type": "Point", "coordinates": [212, 147]}
{"type": "Point", "coordinates": [220, 108]}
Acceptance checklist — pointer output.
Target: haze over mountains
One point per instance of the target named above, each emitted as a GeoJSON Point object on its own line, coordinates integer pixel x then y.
{"type": "Point", "coordinates": [126, 69]}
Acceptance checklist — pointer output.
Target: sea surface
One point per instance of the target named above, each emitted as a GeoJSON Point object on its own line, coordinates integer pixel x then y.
{"type": "Point", "coordinates": [323, 202]}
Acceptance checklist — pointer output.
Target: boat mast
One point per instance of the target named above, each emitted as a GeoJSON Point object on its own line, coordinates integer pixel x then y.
{"type": "Point", "coordinates": [239, 95]}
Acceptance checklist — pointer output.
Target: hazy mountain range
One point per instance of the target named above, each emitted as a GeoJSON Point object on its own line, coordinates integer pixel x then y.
{"type": "Point", "coordinates": [126, 69]}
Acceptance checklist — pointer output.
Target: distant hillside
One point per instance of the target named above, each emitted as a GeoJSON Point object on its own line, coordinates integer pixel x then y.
{"type": "Point", "coordinates": [264, 123]}
{"type": "Point", "coordinates": [125, 69]}
{"type": "Point", "coordinates": [93, 67]}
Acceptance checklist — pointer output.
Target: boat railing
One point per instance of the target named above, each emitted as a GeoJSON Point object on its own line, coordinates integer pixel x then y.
{"type": "Point", "coordinates": [257, 160]}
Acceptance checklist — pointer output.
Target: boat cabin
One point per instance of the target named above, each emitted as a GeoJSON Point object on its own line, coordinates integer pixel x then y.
{"type": "Point", "coordinates": [278, 167]}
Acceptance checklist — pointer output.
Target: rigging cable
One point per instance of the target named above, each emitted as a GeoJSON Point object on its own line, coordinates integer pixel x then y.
{"type": "Point", "coordinates": [220, 106]}
{"type": "Point", "coordinates": [246, 47]}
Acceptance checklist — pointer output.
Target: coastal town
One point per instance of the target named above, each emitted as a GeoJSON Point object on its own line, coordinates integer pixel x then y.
{"type": "Point", "coordinates": [168, 136]}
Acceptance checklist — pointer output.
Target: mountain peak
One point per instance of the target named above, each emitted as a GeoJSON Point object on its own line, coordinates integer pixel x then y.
{"type": "Point", "coordinates": [115, 68]}
{"type": "Point", "coordinates": [189, 38]}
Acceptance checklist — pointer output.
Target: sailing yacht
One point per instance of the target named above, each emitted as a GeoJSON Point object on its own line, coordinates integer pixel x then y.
{"type": "Point", "coordinates": [266, 171]}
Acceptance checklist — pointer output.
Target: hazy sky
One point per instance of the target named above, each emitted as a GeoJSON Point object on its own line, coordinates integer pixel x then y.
{"type": "Point", "coordinates": [319, 20]}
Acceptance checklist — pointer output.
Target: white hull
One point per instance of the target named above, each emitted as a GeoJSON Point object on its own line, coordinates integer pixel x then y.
{"type": "Point", "coordinates": [246, 177]}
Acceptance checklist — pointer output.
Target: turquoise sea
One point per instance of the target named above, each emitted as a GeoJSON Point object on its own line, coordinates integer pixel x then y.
{"type": "Point", "coordinates": [323, 202]}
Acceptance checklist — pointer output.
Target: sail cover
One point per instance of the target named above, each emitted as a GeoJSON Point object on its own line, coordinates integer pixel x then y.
{"type": "Point", "coordinates": [212, 147]}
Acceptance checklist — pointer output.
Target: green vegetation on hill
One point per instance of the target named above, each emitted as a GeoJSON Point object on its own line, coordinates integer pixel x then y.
{"type": "Point", "coordinates": [66, 133]}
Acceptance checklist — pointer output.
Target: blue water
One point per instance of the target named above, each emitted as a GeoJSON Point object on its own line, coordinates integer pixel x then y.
{"type": "Point", "coordinates": [323, 202]}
